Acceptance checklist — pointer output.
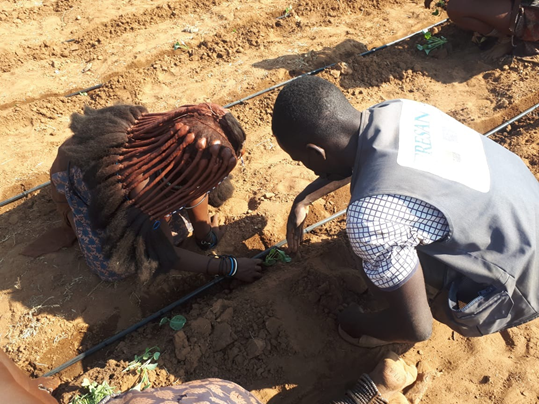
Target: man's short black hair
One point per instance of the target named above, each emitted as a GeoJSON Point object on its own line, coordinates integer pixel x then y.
{"type": "Point", "coordinates": [310, 110]}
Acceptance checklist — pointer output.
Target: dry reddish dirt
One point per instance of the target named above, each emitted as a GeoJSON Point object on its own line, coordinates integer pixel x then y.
{"type": "Point", "coordinates": [276, 337]}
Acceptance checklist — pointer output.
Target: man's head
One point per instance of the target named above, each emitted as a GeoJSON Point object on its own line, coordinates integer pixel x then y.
{"type": "Point", "coordinates": [315, 124]}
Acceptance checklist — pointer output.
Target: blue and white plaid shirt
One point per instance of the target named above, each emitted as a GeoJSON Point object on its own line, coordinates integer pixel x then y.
{"type": "Point", "coordinates": [384, 231]}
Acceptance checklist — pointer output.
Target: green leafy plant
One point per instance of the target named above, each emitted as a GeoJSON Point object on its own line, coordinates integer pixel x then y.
{"type": "Point", "coordinates": [275, 255]}
{"type": "Point", "coordinates": [176, 322]}
{"type": "Point", "coordinates": [96, 392]}
{"type": "Point", "coordinates": [143, 365]}
{"type": "Point", "coordinates": [432, 42]}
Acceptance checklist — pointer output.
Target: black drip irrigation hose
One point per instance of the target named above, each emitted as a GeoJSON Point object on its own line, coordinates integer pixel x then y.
{"type": "Point", "coordinates": [134, 327]}
{"type": "Point", "coordinates": [312, 72]}
{"type": "Point", "coordinates": [23, 194]}
{"type": "Point", "coordinates": [172, 306]}
{"type": "Point", "coordinates": [85, 90]}
{"type": "Point", "coordinates": [316, 71]}
{"type": "Point", "coordinates": [510, 121]}
{"type": "Point", "coordinates": [320, 69]}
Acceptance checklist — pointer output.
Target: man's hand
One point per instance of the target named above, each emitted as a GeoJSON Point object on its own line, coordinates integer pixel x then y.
{"type": "Point", "coordinates": [249, 270]}
{"type": "Point", "coordinates": [315, 190]}
{"type": "Point", "coordinates": [295, 225]}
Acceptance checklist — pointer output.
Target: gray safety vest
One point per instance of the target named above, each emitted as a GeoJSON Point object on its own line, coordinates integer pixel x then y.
{"type": "Point", "coordinates": [488, 196]}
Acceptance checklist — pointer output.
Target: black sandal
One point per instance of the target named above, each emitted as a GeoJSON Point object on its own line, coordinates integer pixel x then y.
{"type": "Point", "coordinates": [209, 241]}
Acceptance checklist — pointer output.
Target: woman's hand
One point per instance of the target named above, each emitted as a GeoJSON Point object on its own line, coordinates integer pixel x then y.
{"type": "Point", "coordinates": [249, 270]}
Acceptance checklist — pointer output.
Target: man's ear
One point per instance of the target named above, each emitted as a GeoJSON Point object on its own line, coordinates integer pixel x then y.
{"type": "Point", "coordinates": [317, 149]}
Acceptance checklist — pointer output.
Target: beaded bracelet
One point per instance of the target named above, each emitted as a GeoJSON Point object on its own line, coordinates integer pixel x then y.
{"type": "Point", "coordinates": [233, 267]}
{"type": "Point", "coordinates": [224, 270]}
{"type": "Point", "coordinates": [366, 392]}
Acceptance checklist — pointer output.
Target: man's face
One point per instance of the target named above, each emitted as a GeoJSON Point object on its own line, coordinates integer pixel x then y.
{"type": "Point", "coordinates": [325, 166]}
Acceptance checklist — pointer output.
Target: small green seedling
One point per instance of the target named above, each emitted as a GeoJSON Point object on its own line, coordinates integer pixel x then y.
{"type": "Point", "coordinates": [432, 43]}
{"type": "Point", "coordinates": [176, 322]}
{"type": "Point", "coordinates": [143, 364]}
{"type": "Point", "coordinates": [275, 255]}
{"type": "Point", "coordinates": [96, 392]}
{"type": "Point", "coordinates": [83, 93]}
{"type": "Point", "coordinates": [287, 12]}
{"type": "Point", "coordinates": [180, 45]}
{"type": "Point", "coordinates": [439, 4]}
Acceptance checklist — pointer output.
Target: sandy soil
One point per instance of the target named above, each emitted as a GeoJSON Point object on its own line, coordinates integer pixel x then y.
{"type": "Point", "coordinates": [276, 337]}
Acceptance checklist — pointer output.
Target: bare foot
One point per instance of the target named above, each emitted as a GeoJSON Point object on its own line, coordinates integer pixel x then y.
{"type": "Point", "coordinates": [500, 49]}
{"type": "Point", "coordinates": [50, 241]}
{"type": "Point", "coordinates": [48, 383]}
{"type": "Point", "coordinates": [392, 375]}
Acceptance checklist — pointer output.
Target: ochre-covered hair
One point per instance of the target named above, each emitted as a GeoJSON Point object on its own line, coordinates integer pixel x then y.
{"type": "Point", "coordinates": [141, 167]}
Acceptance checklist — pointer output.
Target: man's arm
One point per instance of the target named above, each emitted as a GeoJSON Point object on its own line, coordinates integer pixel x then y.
{"type": "Point", "coordinates": [408, 318]}
{"type": "Point", "coordinates": [296, 219]}
{"type": "Point", "coordinates": [319, 188]}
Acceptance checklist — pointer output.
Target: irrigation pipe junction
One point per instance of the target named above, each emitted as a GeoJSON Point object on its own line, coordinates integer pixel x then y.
{"type": "Point", "coordinates": [316, 71]}
{"type": "Point", "coordinates": [216, 280]}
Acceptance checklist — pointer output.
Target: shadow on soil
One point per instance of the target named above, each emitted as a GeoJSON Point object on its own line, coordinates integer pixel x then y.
{"type": "Point", "coordinates": [455, 62]}
{"type": "Point", "coordinates": [278, 334]}
{"type": "Point", "coordinates": [60, 285]}
{"type": "Point", "coordinates": [302, 63]}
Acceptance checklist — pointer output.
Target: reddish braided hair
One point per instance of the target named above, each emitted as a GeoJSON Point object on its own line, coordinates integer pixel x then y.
{"type": "Point", "coordinates": [180, 154]}
{"type": "Point", "coordinates": [140, 167]}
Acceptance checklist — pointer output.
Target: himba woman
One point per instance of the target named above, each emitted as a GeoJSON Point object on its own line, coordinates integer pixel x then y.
{"type": "Point", "coordinates": [126, 177]}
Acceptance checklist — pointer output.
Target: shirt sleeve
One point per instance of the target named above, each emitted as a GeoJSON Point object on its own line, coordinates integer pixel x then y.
{"type": "Point", "coordinates": [384, 230]}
